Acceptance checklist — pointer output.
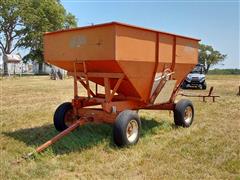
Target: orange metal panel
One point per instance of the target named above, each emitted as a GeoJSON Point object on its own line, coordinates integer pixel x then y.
{"type": "Point", "coordinates": [121, 48]}
{"type": "Point", "coordinates": [135, 44]}
{"type": "Point", "coordinates": [186, 51]}
{"type": "Point", "coordinates": [139, 75]}
{"type": "Point", "coordinates": [86, 44]}
{"type": "Point", "coordinates": [165, 48]}
{"type": "Point", "coordinates": [181, 71]}
{"type": "Point", "coordinates": [122, 105]}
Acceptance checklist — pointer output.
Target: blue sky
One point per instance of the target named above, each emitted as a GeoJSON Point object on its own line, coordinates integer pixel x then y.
{"type": "Point", "coordinates": [216, 23]}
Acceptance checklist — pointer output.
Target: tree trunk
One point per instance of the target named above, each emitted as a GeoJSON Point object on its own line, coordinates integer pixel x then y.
{"type": "Point", "coordinates": [40, 67]}
{"type": "Point", "coordinates": [5, 68]}
{"type": "Point", "coordinates": [207, 69]}
{"type": "Point", "coordinates": [6, 51]}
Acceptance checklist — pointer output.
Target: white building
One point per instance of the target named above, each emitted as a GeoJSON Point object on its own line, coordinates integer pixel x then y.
{"type": "Point", "coordinates": [46, 68]}
{"type": "Point", "coordinates": [29, 68]}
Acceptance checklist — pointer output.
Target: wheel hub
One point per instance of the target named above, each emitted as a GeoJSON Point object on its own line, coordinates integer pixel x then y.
{"type": "Point", "coordinates": [132, 130]}
{"type": "Point", "coordinates": [69, 118]}
{"type": "Point", "coordinates": [188, 114]}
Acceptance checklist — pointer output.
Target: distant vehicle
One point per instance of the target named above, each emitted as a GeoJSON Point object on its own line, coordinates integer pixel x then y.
{"type": "Point", "coordinates": [196, 78]}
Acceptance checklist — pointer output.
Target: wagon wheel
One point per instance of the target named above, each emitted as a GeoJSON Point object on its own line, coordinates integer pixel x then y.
{"type": "Point", "coordinates": [63, 116]}
{"type": "Point", "coordinates": [184, 113]}
{"type": "Point", "coordinates": [126, 130]}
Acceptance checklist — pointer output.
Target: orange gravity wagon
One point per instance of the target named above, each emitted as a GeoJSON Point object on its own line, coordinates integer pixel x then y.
{"type": "Point", "coordinates": [139, 68]}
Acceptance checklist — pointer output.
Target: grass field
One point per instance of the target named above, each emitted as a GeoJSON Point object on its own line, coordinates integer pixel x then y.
{"type": "Point", "coordinates": [209, 149]}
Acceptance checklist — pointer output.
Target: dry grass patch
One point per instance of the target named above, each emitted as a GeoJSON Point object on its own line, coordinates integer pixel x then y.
{"type": "Point", "coordinates": [209, 149]}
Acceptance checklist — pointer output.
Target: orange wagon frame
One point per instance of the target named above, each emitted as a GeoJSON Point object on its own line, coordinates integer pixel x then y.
{"type": "Point", "coordinates": [111, 103]}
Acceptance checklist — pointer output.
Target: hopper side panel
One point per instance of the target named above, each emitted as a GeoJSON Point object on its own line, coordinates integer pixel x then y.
{"type": "Point", "coordinates": [181, 71]}
{"type": "Point", "coordinates": [135, 53]}
{"type": "Point", "coordinates": [165, 48]}
{"type": "Point", "coordinates": [134, 44]}
{"type": "Point", "coordinates": [139, 75]}
{"type": "Point", "coordinates": [186, 51]}
{"type": "Point", "coordinates": [86, 44]}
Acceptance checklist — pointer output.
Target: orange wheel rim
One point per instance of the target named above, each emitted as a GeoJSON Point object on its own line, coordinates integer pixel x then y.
{"type": "Point", "coordinates": [69, 118]}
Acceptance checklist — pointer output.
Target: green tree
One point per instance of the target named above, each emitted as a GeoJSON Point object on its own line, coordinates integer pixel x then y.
{"type": "Point", "coordinates": [23, 23]}
{"type": "Point", "coordinates": [209, 57]}
{"type": "Point", "coordinates": [12, 28]}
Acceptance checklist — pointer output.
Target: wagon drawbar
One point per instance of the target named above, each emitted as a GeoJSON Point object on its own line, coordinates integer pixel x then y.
{"type": "Point", "coordinates": [139, 68]}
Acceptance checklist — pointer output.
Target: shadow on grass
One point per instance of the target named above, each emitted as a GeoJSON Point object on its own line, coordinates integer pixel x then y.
{"type": "Point", "coordinates": [82, 138]}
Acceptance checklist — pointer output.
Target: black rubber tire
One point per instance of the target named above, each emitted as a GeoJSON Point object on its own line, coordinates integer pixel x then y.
{"type": "Point", "coordinates": [120, 127]}
{"type": "Point", "coordinates": [59, 116]}
{"type": "Point", "coordinates": [179, 111]}
{"type": "Point", "coordinates": [204, 85]}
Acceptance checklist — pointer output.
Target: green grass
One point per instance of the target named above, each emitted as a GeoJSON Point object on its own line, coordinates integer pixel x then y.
{"type": "Point", "coordinates": [209, 149]}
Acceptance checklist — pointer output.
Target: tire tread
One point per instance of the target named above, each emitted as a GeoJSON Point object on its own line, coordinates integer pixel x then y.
{"type": "Point", "coordinates": [179, 112]}
{"type": "Point", "coordinates": [120, 126]}
{"type": "Point", "coordinates": [59, 115]}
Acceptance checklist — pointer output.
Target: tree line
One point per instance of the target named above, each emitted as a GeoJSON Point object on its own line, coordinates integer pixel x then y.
{"type": "Point", "coordinates": [225, 71]}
